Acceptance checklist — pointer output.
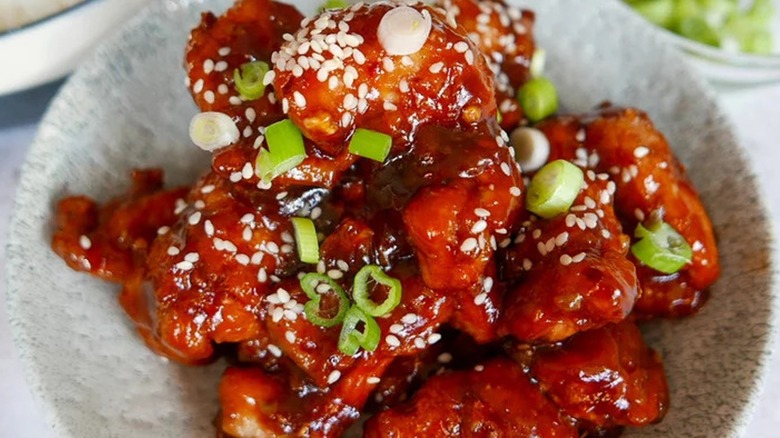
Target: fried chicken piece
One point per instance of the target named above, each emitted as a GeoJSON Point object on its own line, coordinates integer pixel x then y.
{"type": "Point", "coordinates": [504, 35]}
{"type": "Point", "coordinates": [251, 30]}
{"type": "Point", "coordinates": [335, 76]}
{"type": "Point", "coordinates": [494, 399]}
{"type": "Point", "coordinates": [315, 349]}
{"type": "Point", "coordinates": [606, 377]}
{"type": "Point", "coordinates": [258, 404]}
{"type": "Point", "coordinates": [572, 269]}
{"type": "Point", "coordinates": [624, 143]}
{"type": "Point", "coordinates": [210, 273]}
{"type": "Point", "coordinates": [111, 241]}
{"type": "Point", "coordinates": [472, 199]}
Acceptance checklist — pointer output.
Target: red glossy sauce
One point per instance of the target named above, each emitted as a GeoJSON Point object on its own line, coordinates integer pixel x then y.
{"type": "Point", "coordinates": [501, 312]}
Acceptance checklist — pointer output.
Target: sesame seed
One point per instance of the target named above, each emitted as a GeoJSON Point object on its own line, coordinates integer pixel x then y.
{"type": "Point", "coordinates": [434, 338]}
{"type": "Point", "coordinates": [248, 218]}
{"type": "Point", "coordinates": [444, 358]}
{"type": "Point", "coordinates": [527, 264]}
{"type": "Point", "coordinates": [277, 314]}
{"type": "Point", "coordinates": [209, 97]}
{"type": "Point", "coordinates": [208, 66]}
{"type": "Point", "coordinates": [262, 276]}
{"type": "Point", "coordinates": [388, 64]}
{"type": "Point", "coordinates": [639, 214]}
{"type": "Point", "coordinates": [173, 251]}
{"type": "Point", "coordinates": [373, 380]}
{"type": "Point", "coordinates": [276, 351]}
{"type": "Point", "coordinates": [184, 266]}
{"type": "Point", "coordinates": [273, 248]}
{"type": "Point", "coordinates": [396, 328]}
{"type": "Point", "coordinates": [481, 212]}
{"type": "Point", "coordinates": [389, 106]}
{"type": "Point", "coordinates": [479, 368]}
{"type": "Point", "coordinates": [198, 87]}
{"type": "Point", "coordinates": [221, 66]}
{"type": "Point", "coordinates": [316, 212]}
{"type": "Point", "coordinates": [515, 191]}
{"type": "Point", "coordinates": [281, 195]}
{"type": "Point", "coordinates": [506, 169]}
{"type": "Point", "coordinates": [223, 51]}
{"type": "Point", "coordinates": [334, 377]}
{"type": "Point", "coordinates": [242, 259]}
{"type": "Point", "coordinates": [565, 260]}
{"type": "Point", "coordinates": [641, 152]}
{"type": "Point", "coordinates": [392, 341]}
{"type": "Point", "coordinates": [469, 57]}
{"type": "Point", "coordinates": [247, 171]}
{"type": "Point", "coordinates": [269, 77]}
{"type": "Point", "coordinates": [578, 258]}
{"type": "Point", "coordinates": [234, 100]}
{"type": "Point", "coordinates": [562, 238]}
{"type": "Point", "coordinates": [541, 248]}
{"type": "Point", "coordinates": [409, 318]}
{"type": "Point", "coordinates": [606, 234]}
{"type": "Point", "coordinates": [299, 99]}
{"type": "Point", "coordinates": [235, 177]}
{"type": "Point", "coordinates": [480, 299]}
{"type": "Point", "coordinates": [479, 226]}
{"type": "Point", "coordinates": [436, 68]}
{"type": "Point", "coordinates": [350, 102]}
{"type": "Point", "coordinates": [461, 46]}
{"type": "Point", "coordinates": [403, 85]}
{"type": "Point", "coordinates": [487, 283]}
{"type": "Point", "coordinates": [85, 243]}
{"type": "Point", "coordinates": [194, 218]}
{"type": "Point", "coordinates": [208, 227]}
{"type": "Point", "coordinates": [469, 244]}
{"type": "Point", "coordinates": [192, 257]}
{"type": "Point", "coordinates": [283, 295]}
{"type": "Point", "coordinates": [290, 336]}
{"type": "Point", "coordinates": [289, 314]}
{"type": "Point", "coordinates": [536, 233]}
{"type": "Point", "coordinates": [335, 274]}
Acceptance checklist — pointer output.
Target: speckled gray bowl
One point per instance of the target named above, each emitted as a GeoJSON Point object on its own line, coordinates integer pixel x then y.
{"type": "Point", "coordinates": [127, 108]}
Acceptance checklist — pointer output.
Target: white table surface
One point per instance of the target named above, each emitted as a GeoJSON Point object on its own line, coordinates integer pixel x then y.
{"type": "Point", "coordinates": [756, 112]}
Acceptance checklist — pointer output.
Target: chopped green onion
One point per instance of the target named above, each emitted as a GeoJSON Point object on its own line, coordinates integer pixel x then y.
{"type": "Point", "coordinates": [370, 144]}
{"type": "Point", "coordinates": [658, 12]}
{"type": "Point", "coordinates": [249, 79]}
{"type": "Point", "coordinates": [351, 339]}
{"type": "Point", "coordinates": [538, 60]}
{"type": "Point", "coordinates": [213, 130]}
{"type": "Point", "coordinates": [285, 150]}
{"type": "Point", "coordinates": [361, 291]}
{"type": "Point", "coordinates": [334, 4]}
{"type": "Point", "coordinates": [539, 99]}
{"type": "Point", "coordinates": [661, 247]}
{"type": "Point", "coordinates": [697, 29]}
{"type": "Point", "coordinates": [554, 188]}
{"type": "Point", "coordinates": [313, 307]}
{"type": "Point", "coordinates": [306, 240]}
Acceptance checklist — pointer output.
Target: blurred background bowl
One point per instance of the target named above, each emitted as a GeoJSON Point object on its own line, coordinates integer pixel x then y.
{"type": "Point", "coordinates": [728, 67]}
{"type": "Point", "coordinates": [61, 34]}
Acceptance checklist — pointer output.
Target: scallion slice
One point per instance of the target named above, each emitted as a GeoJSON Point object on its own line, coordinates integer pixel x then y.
{"type": "Point", "coordinates": [285, 150]}
{"type": "Point", "coordinates": [213, 130]}
{"type": "Point", "coordinates": [313, 308]}
{"type": "Point", "coordinates": [661, 247]}
{"type": "Point", "coordinates": [538, 61]}
{"type": "Point", "coordinates": [351, 339]}
{"type": "Point", "coordinates": [306, 240]}
{"type": "Point", "coordinates": [361, 291]}
{"type": "Point", "coordinates": [370, 144]}
{"type": "Point", "coordinates": [539, 99]}
{"type": "Point", "coordinates": [248, 79]}
{"type": "Point", "coordinates": [334, 4]}
{"type": "Point", "coordinates": [554, 188]}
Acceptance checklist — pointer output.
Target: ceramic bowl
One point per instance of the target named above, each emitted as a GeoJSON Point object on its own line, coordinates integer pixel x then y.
{"type": "Point", "coordinates": [127, 107]}
{"type": "Point", "coordinates": [50, 47]}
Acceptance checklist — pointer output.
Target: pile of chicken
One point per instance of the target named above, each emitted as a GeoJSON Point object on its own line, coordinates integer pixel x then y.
{"type": "Point", "coordinates": [509, 324]}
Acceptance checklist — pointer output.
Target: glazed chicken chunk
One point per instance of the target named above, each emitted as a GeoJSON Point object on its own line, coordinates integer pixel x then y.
{"type": "Point", "coordinates": [572, 269]}
{"type": "Point", "coordinates": [650, 182]}
{"type": "Point", "coordinates": [494, 399]}
{"type": "Point", "coordinates": [338, 73]}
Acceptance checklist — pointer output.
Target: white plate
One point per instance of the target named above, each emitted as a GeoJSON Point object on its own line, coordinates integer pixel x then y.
{"type": "Point", "coordinates": [50, 48]}
{"type": "Point", "coordinates": [126, 107]}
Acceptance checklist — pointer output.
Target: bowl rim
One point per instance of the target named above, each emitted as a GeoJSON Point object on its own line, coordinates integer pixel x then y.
{"type": "Point", "coordinates": [43, 20]}
{"type": "Point", "coordinates": [757, 383]}
{"type": "Point", "coordinates": [743, 59]}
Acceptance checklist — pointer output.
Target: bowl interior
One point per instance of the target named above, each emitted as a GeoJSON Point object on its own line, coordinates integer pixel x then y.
{"type": "Point", "coordinates": [127, 107]}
